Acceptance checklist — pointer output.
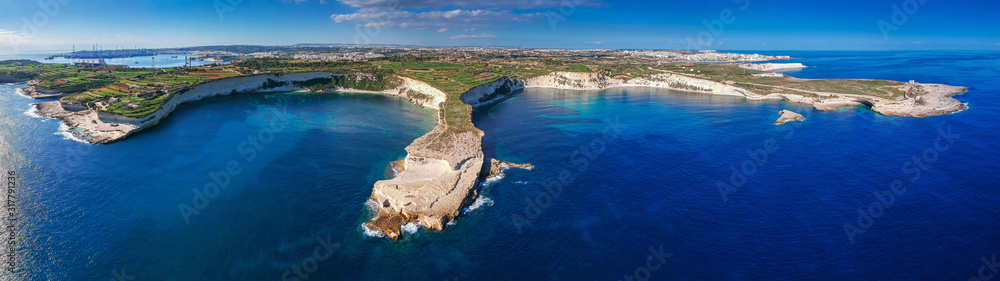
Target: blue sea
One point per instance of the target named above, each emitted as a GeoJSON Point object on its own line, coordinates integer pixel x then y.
{"type": "Point", "coordinates": [629, 184]}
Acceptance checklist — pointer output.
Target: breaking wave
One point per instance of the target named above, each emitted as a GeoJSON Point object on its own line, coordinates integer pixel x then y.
{"type": "Point", "coordinates": [64, 131]}
{"type": "Point", "coordinates": [411, 227]}
{"type": "Point", "coordinates": [33, 111]}
{"type": "Point", "coordinates": [480, 202]}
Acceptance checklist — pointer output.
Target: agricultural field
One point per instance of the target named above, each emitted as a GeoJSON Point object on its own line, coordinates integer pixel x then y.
{"type": "Point", "coordinates": [420, 65]}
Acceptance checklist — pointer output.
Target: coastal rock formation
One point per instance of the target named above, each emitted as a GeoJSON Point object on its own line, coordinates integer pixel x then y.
{"type": "Point", "coordinates": [490, 92]}
{"type": "Point", "coordinates": [438, 177]}
{"type": "Point", "coordinates": [419, 93]}
{"type": "Point", "coordinates": [771, 66]}
{"type": "Point", "coordinates": [40, 93]}
{"type": "Point", "coordinates": [51, 109]}
{"type": "Point", "coordinates": [441, 170]}
{"type": "Point", "coordinates": [788, 116]}
{"type": "Point", "coordinates": [595, 81]}
{"type": "Point", "coordinates": [435, 181]}
{"type": "Point", "coordinates": [497, 167]}
{"type": "Point", "coordinates": [102, 127]}
{"type": "Point", "coordinates": [414, 91]}
{"type": "Point", "coordinates": [436, 184]}
{"type": "Point", "coordinates": [82, 124]}
{"type": "Point", "coordinates": [933, 99]}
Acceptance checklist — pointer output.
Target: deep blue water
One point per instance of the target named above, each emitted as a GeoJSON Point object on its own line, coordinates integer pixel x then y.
{"type": "Point", "coordinates": [649, 181]}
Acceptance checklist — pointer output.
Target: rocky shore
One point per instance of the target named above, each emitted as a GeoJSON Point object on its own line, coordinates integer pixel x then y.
{"type": "Point", "coordinates": [440, 173]}
{"type": "Point", "coordinates": [492, 92]}
{"type": "Point", "coordinates": [497, 167]}
{"type": "Point", "coordinates": [788, 116]}
{"type": "Point", "coordinates": [35, 92]}
{"type": "Point", "coordinates": [99, 127]}
{"type": "Point", "coordinates": [935, 99]}
{"type": "Point", "coordinates": [439, 176]}
{"type": "Point", "coordinates": [771, 66]}
{"type": "Point", "coordinates": [436, 180]}
{"type": "Point", "coordinates": [41, 93]}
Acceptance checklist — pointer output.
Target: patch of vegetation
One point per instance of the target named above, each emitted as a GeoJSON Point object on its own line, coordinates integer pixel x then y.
{"type": "Point", "coordinates": [418, 95]}
{"type": "Point", "coordinates": [358, 81]}
{"type": "Point", "coordinates": [420, 65]}
{"type": "Point", "coordinates": [271, 84]}
{"type": "Point", "coordinates": [577, 68]}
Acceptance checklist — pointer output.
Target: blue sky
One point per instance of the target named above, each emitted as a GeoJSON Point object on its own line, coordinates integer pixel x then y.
{"type": "Point", "coordinates": [32, 26]}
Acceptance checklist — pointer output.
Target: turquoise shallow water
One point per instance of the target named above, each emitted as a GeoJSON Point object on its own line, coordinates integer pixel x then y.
{"type": "Point", "coordinates": [91, 212]}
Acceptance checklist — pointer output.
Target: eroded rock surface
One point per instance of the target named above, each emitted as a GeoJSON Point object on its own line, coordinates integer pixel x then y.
{"type": "Point", "coordinates": [788, 116]}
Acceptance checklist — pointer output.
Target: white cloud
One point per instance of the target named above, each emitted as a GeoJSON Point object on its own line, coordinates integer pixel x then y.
{"type": "Point", "coordinates": [596, 42]}
{"type": "Point", "coordinates": [499, 4]}
{"type": "Point", "coordinates": [454, 19]}
{"type": "Point", "coordinates": [448, 15]}
{"type": "Point", "coordinates": [477, 36]}
{"type": "Point", "coordinates": [13, 41]}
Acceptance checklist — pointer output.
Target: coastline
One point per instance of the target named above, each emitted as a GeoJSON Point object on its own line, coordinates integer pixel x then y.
{"type": "Point", "coordinates": [943, 95]}
{"type": "Point", "coordinates": [438, 178]}
{"type": "Point", "coordinates": [772, 66]}
{"type": "Point", "coordinates": [447, 176]}
{"type": "Point", "coordinates": [98, 127]}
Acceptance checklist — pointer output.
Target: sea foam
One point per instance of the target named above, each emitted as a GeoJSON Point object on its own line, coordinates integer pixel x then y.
{"type": "Point", "coordinates": [21, 93]}
{"type": "Point", "coordinates": [371, 232]}
{"type": "Point", "coordinates": [372, 208]}
{"type": "Point", "coordinates": [479, 203]}
{"type": "Point", "coordinates": [411, 227]}
{"type": "Point", "coordinates": [33, 111]}
{"type": "Point", "coordinates": [64, 131]}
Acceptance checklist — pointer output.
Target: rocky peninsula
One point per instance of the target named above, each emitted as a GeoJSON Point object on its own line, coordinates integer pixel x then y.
{"type": "Point", "coordinates": [440, 172]}
{"type": "Point", "coordinates": [918, 100]}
